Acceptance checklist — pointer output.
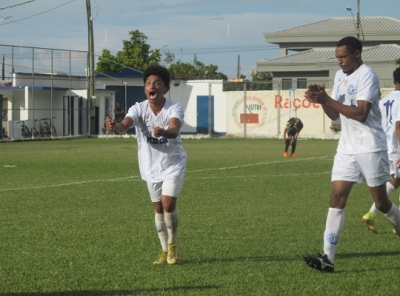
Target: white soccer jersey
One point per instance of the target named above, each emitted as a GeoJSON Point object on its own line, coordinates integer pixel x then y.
{"type": "Point", "coordinates": [159, 158]}
{"type": "Point", "coordinates": [357, 137]}
{"type": "Point", "coordinates": [390, 110]}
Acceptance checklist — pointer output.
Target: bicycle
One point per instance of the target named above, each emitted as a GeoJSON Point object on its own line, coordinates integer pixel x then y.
{"type": "Point", "coordinates": [48, 128]}
{"type": "Point", "coordinates": [37, 129]}
{"type": "Point", "coordinates": [25, 133]}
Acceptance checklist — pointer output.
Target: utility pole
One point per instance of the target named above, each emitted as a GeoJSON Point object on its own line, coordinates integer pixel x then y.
{"type": "Point", "coordinates": [238, 67]}
{"type": "Point", "coordinates": [90, 62]}
{"type": "Point", "coordinates": [358, 19]}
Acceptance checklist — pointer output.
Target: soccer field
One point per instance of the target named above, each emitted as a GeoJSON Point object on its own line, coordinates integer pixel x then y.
{"type": "Point", "coordinates": [76, 219]}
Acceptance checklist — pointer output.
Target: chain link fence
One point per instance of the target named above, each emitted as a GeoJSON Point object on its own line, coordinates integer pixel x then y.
{"type": "Point", "coordinates": [37, 92]}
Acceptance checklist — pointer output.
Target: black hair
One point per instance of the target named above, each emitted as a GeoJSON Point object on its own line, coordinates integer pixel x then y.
{"type": "Point", "coordinates": [396, 75]}
{"type": "Point", "coordinates": [352, 43]}
{"type": "Point", "coordinates": [159, 71]}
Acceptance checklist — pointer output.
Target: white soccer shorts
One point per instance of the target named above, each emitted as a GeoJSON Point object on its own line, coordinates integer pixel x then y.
{"type": "Point", "coordinates": [394, 170]}
{"type": "Point", "coordinates": [171, 187]}
{"type": "Point", "coordinates": [373, 167]}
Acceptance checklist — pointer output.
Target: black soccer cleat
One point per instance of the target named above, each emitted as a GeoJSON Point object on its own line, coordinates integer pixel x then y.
{"type": "Point", "coordinates": [320, 262]}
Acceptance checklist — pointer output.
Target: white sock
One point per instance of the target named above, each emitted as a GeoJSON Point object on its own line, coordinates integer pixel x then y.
{"type": "Point", "coordinates": [334, 226]}
{"type": "Point", "coordinates": [162, 231]}
{"type": "Point", "coordinates": [172, 222]}
{"type": "Point", "coordinates": [373, 209]}
{"type": "Point", "coordinates": [389, 190]}
{"type": "Point", "coordinates": [394, 217]}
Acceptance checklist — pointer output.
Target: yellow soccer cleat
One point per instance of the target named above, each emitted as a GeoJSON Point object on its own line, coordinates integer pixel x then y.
{"type": "Point", "coordinates": [369, 220]}
{"type": "Point", "coordinates": [172, 256]}
{"type": "Point", "coordinates": [162, 258]}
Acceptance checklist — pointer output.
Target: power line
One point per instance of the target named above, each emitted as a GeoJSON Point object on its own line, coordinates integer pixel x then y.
{"type": "Point", "coordinates": [211, 51]}
{"type": "Point", "coordinates": [217, 50]}
{"type": "Point", "coordinates": [17, 5]}
{"type": "Point", "coordinates": [37, 13]}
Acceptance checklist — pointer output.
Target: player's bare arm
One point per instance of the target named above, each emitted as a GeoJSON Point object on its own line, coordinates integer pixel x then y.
{"type": "Point", "coordinates": [284, 135]}
{"type": "Point", "coordinates": [398, 131]}
{"type": "Point", "coordinates": [317, 94]}
{"type": "Point", "coordinates": [294, 138]}
{"type": "Point", "coordinates": [171, 132]}
{"type": "Point", "coordinates": [119, 128]}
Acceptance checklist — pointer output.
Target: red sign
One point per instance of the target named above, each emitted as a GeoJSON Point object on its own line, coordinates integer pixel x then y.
{"type": "Point", "coordinates": [248, 118]}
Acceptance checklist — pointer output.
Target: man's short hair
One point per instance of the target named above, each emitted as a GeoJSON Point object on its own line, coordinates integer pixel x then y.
{"type": "Point", "coordinates": [159, 71]}
{"type": "Point", "coordinates": [396, 75]}
{"type": "Point", "coordinates": [352, 43]}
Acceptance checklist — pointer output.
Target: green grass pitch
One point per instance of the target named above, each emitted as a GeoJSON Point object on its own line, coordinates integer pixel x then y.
{"type": "Point", "coordinates": [76, 219]}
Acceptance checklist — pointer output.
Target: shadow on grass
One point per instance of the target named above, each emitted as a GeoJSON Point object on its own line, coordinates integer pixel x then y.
{"type": "Point", "coordinates": [240, 259]}
{"type": "Point", "coordinates": [284, 258]}
{"type": "Point", "coordinates": [368, 254]}
{"type": "Point", "coordinates": [111, 292]}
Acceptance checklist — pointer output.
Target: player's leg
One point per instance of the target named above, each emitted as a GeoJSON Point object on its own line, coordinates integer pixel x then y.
{"type": "Point", "coordinates": [335, 219]}
{"type": "Point", "coordinates": [155, 195]}
{"type": "Point", "coordinates": [396, 174]}
{"type": "Point", "coordinates": [333, 227]}
{"type": "Point", "coordinates": [396, 179]}
{"type": "Point", "coordinates": [369, 218]}
{"type": "Point", "coordinates": [392, 185]}
{"type": "Point", "coordinates": [396, 184]}
{"type": "Point", "coordinates": [383, 203]}
{"type": "Point", "coordinates": [375, 167]}
{"type": "Point", "coordinates": [345, 173]}
{"type": "Point", "coordinates": [287, 144]}
{"type": "Point", "coordinates": [294, 143]}
{"type": "Point", "coordinates": [170, 192]}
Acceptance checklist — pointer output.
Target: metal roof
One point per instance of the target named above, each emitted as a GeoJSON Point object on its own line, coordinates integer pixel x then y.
{"type": "Point", "coordinates": [344, 24]}
{"type": "Point", "coordinates": [383, 52]}
{"type": "Point", "coordinates": [311, 55]}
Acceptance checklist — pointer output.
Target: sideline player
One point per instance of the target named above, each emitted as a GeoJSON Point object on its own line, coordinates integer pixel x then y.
{"type": "Point", "coordinates": [119, 113]}
{"type": "Point", "coordinates": [162, 159]}
{"type": "Point", "coordinates": [362, 148]}
{"type": "Point", "coordinates": [390, 110]}
{"type": "Point", "coordinates": [290, 135]}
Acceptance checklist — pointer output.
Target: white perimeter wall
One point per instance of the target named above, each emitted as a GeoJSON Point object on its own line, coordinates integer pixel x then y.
{"type": "Point", "coordinates": [266, 112]}
{"type": "Point", "coordinates": [186, 94]}
{"type": "Point", "coordinates": [261, 114]}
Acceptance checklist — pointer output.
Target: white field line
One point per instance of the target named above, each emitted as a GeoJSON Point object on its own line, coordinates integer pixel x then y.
{"type": "Point", "coordinates": [258, 176]}
{"type": "Point", "coordinates": [73, 183]}
{"type": "Point", "coordinates": [137, 178]}
{"type": "Point", "coordinates": [258, 163]}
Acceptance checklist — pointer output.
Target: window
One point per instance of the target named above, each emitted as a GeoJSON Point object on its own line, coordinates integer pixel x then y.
{"type": "Point", "coordinates": [302, 83]}
{"type": "Point", "coordinates": [286, 84]}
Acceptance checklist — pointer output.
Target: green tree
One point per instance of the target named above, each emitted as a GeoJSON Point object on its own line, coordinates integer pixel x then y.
{"type": "Point", "coordinates": [169, 58]}
{"type": "Point", "coordinates": [135, 53]}
{"type": "Point", "coordinates": [107, 63]}
{"type": "Point", "coordinates": [195, 70]}
{"type": "Point", "coordinates": [397, 62]}
{"type": "Point", "coordinates": [261, 80]}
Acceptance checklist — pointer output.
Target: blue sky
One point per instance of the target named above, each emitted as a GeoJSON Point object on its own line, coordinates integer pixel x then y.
{"type": "Point", "coordinates": [217, 31]}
